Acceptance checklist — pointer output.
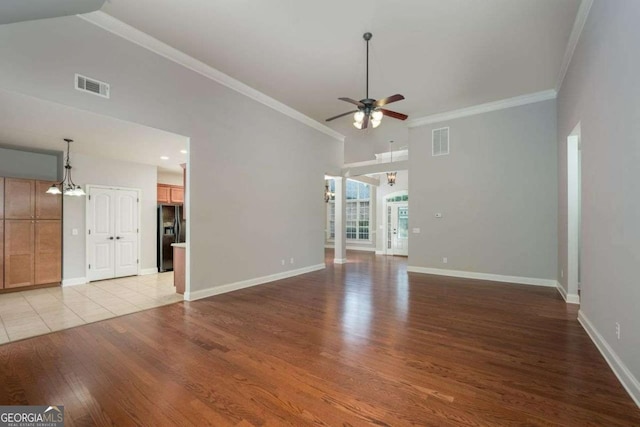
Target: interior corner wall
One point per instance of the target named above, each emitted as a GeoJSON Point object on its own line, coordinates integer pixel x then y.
{"type": "Point", "coordinates": [89, 170]}
{"type": "Point", "coordinates": [496, 191]}
{"type": "Point", "coordinates": [601, 91]}
{"type": "Point", "coordinates": [239, 232]}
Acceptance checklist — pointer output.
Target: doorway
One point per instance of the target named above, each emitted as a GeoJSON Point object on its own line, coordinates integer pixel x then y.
{"type": "Point", "coordinates": [397, 233]}
{"type": "Point", "coordinates": [113, 233]}
{"type": "Point", "coordinates": [574, 214]}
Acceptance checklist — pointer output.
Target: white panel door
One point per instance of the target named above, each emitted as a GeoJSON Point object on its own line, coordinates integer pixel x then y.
{"type": "Point", "coordinates": [101, 235]}
{"type": "Point", "coordinates": [126, 230]}
{"type": "Point", "coordinates": [398, 229]}
{"type": "Point", "coordinates": [112, 222]}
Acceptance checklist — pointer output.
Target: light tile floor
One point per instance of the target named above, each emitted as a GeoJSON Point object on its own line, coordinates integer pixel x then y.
{"type": "Point", "coordinates": [39, 311]}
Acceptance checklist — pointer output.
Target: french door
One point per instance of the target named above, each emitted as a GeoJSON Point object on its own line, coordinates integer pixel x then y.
{"type": "Point", "coordinates": [112, 233]}
{"type": "Point", "coordinates": [397, 228]}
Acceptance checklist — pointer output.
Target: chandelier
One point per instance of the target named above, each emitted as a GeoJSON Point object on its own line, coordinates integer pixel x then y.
{"type": "Point", "coordinates": [66, 186]}
{"type": "Point", "coordinates": [391, 176]}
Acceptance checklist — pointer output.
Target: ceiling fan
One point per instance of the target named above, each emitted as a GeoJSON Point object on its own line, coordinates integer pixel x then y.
{"type": "Point", "coordinates": [369, 110]}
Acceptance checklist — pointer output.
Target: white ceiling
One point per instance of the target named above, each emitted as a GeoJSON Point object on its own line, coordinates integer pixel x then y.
{"type": "Point", "coordinates": [441, 54]}
{"type": "Point", "coordinates": [34, 123]}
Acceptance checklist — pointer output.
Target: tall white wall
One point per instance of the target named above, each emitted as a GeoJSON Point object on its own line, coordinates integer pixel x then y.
{"type": "Point", "coordinates": [107, 172]}
{"type": "Point", "coordinates": [601, 91]}
{"type": "Point", "coordinates": [496, 192]}
{"type": "Point", "coordinates": [255, 174]}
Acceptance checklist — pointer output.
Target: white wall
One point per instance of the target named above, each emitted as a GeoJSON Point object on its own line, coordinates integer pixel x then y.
{"type": "Point", "coordinates": [362, 145]}
{"type": "Point", "coordinates": [236, 232]}
{"type": "Point", "coordinates": [170, 178]}
{"type": "Point", "coordinates": [496, 191]}
{"type": "Point", "coordinates": [27, 164]}
{"type": "Point", "coordinates": [601, 91]}
{"type": "Point", "coordinates": [101, 171]}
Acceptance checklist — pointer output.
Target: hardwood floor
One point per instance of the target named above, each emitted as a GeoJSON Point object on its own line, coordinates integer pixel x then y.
{"type": "Point", "coordinates": [354, 344]}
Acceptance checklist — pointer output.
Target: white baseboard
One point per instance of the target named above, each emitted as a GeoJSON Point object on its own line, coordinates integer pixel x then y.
{"type": "Point", "coordinates": [147, 271]}
{"type": "Point", "coordinates": [484, 276]}
{"type": "Point", "coordinates": [627, 379]}
{"type": "Point", "coordinates": [75, 281]}
{"type": "Point", "coordinates": [380, 252]}
{"type": "Point", "coordinates": [568, 298]}
{"type": "Point", "coordinates": [223, 289]}
{"type": "Point", "coordinates": [339, 260]}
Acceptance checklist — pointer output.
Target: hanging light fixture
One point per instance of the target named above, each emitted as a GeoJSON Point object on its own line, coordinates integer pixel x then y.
{"type": "Point", "coordinates": [66, 186]}
{"type": "Point", "coordinates": [391, 176]}
{"type": "Point", "coordinates": [328, 195]}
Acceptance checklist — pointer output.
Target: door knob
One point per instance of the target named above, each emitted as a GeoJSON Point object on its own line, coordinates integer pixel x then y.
{"type": "Point", "coordinates": [118, 238]}
{"type": "Point", "coordinates": [111, 238]}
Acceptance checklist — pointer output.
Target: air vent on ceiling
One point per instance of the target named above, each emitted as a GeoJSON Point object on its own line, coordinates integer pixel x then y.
{"type": "Point", "coordinates": [440, 142]}
{"type": "Point", "coordinates": [96, 87]}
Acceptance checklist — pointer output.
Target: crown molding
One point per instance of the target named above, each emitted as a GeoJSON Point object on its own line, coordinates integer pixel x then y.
{"type": "Point", "coordinates": [484, 108]}
{"type": "Point", "coordinates": [129, 33]}
{"type": "Point", "coordinates": [576, 31]}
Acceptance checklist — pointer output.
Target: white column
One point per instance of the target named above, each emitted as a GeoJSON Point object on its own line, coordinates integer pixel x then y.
{"type": "Point", "coordinates": [340, 242]}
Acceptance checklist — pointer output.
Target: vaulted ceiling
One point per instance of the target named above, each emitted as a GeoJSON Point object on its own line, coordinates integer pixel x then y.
{"type": "Point", "coordinates": [441, 54]}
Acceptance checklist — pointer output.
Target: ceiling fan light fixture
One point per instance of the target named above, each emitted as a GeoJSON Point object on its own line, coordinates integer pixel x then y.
{"type": "Point", "coordinates": [375, 123]}
{"type": "Point", "coordinates": [358, 116]}
{"type": "Point", "coordinates": [358, 125]}
{"type": "Point", "coordinates": [376, 115]}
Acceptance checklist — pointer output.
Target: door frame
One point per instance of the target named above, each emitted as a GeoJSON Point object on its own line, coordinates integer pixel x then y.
{"type": "Point", "coordinates": [88, 187]}
{"type": "Point", "coordinates": [385, 219]}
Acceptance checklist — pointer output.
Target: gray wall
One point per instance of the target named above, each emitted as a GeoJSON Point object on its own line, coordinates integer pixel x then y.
{"type": "Point", "coordinates": [601, 91]}
{"type": "Point", "coordinates": [26, 164]}
{"type": "Point", "coordinates": [497, 191]}
{"type": "Point", "coordinates": [362, 145]}
{"type": "Point", "coordinates": [273, 210]}
{"type": "Point", "coordinates": [108, 172]}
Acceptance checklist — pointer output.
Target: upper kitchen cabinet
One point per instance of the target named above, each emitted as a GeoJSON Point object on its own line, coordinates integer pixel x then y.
{"type": "Point", "coordinates": [48, 206]}
{"type": "Point", "coordinates": [177, 194]}
{"type": "Point", "coordinates": [170, 194]}
{"type": "Point", "coordinates": [19, 198]}
{"type": "Point", "coordinates": [164, 193]}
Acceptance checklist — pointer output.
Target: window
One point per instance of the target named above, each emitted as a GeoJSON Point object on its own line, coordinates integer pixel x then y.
{"type": "Point", "coordinates": [357, 218]}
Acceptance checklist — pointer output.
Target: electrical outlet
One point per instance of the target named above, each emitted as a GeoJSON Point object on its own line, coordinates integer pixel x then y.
{"type": "Point", "coordinates": [618, 330]}
{"type": "Point", "coordinates": [74, 232]}
{"type": "Point", "coordinates": [444, 260]}
{"type": "Point", "coordinates": [282, 262]}
{"type": "Point", "coordinates": [291, 260]}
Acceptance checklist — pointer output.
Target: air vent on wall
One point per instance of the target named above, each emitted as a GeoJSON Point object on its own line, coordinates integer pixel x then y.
{"type": "Point", "coordinates": [96, 87]}
{"type": "Point", "coordinates": [440, 142]}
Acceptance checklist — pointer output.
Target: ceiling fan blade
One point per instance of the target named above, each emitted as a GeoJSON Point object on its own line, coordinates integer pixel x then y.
{"type": "Point", "coordinates": [388, 100]}
{"type": "Point", "coordinates": [341, 115]}
{"type": "Point", "coordinates": [393, 114]}
{"type": "Point", "coordinates": [352, 101]}
{"type": "Point", "coordinates": [365, 121]}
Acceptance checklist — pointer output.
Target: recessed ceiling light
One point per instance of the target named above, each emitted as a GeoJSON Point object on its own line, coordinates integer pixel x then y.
{"type": "Point", "coordinates": [183, 151]}
{"type": "Point", "coordinates": [164, 157]}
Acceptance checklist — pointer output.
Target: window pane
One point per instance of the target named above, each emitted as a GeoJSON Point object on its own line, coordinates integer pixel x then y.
{"type": "Point", "coordinates": [363, 191]}
{"type": "Point", "coordinates": [352, 190]}
{"type": "Point", "coordinates": [352, 220]}
{"type": "Point", "coordinates": [332, 219]}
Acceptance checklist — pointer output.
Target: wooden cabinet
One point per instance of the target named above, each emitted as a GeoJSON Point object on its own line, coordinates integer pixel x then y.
{"type": "Point", "coordinates": [177, 195]}
{"type": "Point", "coordinates": [170, 194]}
{"type": "Point", "coordinates": [1, 202]}
{"type": "Point", "coordinates": [164, 193]}
{"type": "Point", "coordinates": [19, 198]}
{"type": "Point", "coordinates": [48, 206]}
{"type": "Point", "coordinates": [31, 234]}
{"type": "Point", "coordinates": [48, 254]}
{"type": "Point", "coordinates": [19, 253]}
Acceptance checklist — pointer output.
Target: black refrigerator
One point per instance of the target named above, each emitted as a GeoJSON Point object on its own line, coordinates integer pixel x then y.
{"type": "Point", "coordinates": [171, 229]}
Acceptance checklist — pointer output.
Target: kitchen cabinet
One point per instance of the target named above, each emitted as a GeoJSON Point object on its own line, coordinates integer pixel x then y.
{"type": "Point", "coordinates": [164, 193]}
{"type": "Point", "coordinates": [19, 253]}
{"type": "Point", "coordinates": [19, 198]}
{"type": "Point", "coordinates": [170, 194]}
{"type": "Point", "coordinates": [48, 256]}
{"type": "Point", "coordinates": [31, 238]}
